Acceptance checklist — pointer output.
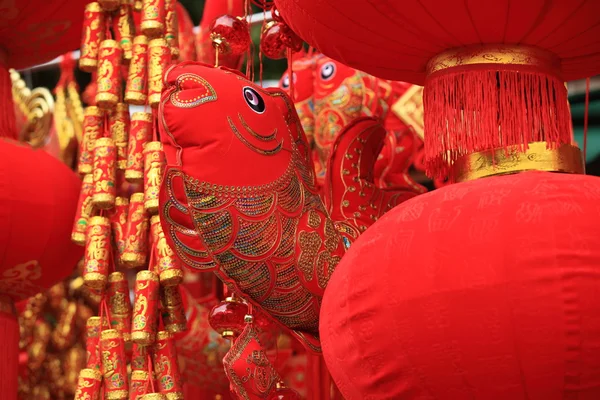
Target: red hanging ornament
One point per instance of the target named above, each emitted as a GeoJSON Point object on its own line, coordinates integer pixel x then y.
{"type": "Point", "coordinates": [277, 38]}
{"type": "Point", "coordinates": [109, 74]}
{"type": "Point", "coordinates": [84, 211]}
{"type": "Point", "coordinates": [118, 222]}
{"type": "Point", "coordinates": [230, 35]}
{"type": "Point", "coordinates": [118, 125]}
{"type": "Point", "coordinates": [93, 35]}
{"type": "Point", "coordinates": [145, 309]}
{"type": "Point", "coordinates": [105, 171]}
{"type": "Point", "coordinates": [114, 365]}
{"type": "Point", "coordinates": [119, 304]}
{"type": "Point", "coordinates": [89, 384]}
{"type": "Point", "coordinates": [93, 127]}
{"type": "Point", "coordinates": [227, 317]}
{"type": "Point", "coordinates": [97, 253]}
{"type": "Point", "coordinates": [136, 89]}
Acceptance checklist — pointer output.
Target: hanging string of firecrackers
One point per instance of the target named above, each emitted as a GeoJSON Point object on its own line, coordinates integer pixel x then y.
{"type": "Point", "coordinates": [52, 340]}
{"type": "Point", "coordinates": [122, 163]}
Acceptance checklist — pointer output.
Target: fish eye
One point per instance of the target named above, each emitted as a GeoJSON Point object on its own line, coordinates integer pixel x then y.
{"type": "Point", "coordinates": [285, 82]}
{"type": "Point", "coordinates": [254, 100]}
{"type": "Point", "coordinates": [328, 71]}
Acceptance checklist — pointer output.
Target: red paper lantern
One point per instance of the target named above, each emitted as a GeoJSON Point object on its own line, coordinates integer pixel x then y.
{"type": "Point", "coordinates": [480, 290]}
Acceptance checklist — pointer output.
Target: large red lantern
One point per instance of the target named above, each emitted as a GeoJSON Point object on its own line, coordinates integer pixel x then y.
{"type": "Point", "coordinates": [479, 290]}
{"type": "Point", "coordinates": [38, 198]}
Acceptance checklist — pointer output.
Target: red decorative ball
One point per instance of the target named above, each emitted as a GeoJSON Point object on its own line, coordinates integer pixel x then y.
{"type": "Point", "coordinates": [277, 37]}
{"type": "Point", "coordinates": [227, 317]}
{"type": "Point", "coordinates": [284, 393]}
{"type": "Point", "coordinates": [483, 290]}
{"type": "Point", "coordinates": [230, 35]}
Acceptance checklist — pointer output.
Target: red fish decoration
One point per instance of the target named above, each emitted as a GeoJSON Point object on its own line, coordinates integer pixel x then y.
{"type": "Point", "coordinates": [239, 195]}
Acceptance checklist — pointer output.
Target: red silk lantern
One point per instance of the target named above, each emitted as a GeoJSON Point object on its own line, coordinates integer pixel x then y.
{"type": "Point", "coordinates": [483, 290]}
{"type": "Point", "coordinates": [230, 35]}
{"type": "Point", "coordinates": [464, 50]}
{"type": "Point", "coordinates": [41, 193]}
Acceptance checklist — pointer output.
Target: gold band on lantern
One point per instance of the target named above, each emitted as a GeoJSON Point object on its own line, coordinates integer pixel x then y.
{"type": "Point", "coordinates": [498, 54]}
{"type": "Point", "coordinates": [503, 161]}
{"type": "Point", "coordinates": [153, 396]}
{"type": "Point", "coordinates": [174, 396]}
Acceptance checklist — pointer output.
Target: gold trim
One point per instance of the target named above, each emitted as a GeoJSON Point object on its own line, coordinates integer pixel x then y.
{"type": "Point", "coordinates": [174, 396]}
{"type": "Point", "coordinates": [409, 108]}
{"type": "Point", "coordinates": [78, 238]}
{"type": "Point", "coordinates": [109, 44]}
{"type": "Point", "coordinates": [138, 375]}
{"type": "Point", "coordinates": [121, 201]}
{"type": "Point", "coordinates": [143, 338]}
{"type": "Point", "coordinates": [137, 197]}
{"type": "Point", "coordinates": [171, 277]}
{"type": "Point", "coordinates": [93, 6]}
{"type": "Point", "coordinates": [132, 260]}
{"type": "Point", "coordinates": [116, 277]}
{"type": "Point", "coordinates": [95, 280]}
{"type": "Point", "coordinates": [103, 142]}
{"type": "Point", "coordinates": [140, 39]}
{"type": "Point", "coordinates": [117, 395]}
{"type": "Point", "coordinates": [151, 206]}
{"type": "Point", "coordinates": [158, 42]}
{"type": "Point", "coordinates": [141, 116]}
{"type": "Point", "coordinates": [152, 396]}
{"type": "Point", "coordinates": [110, 334]}
{"type": "Point", "coordinates": [176, 328]}
{"type": "Point", "coordinates": [90, 373]}
{"type": "Point", "coordinates": [146, 275]}
{"type": "Point", "coordinates": [153, 146]}
{"type": "Point", "coordinates": [99, 220]}
{"type": "Point", "coordinates": [538, 157]}
{"type": "Point", "coordinates": [103, 200]}
{"type": "Point", "coordinates": [163, 335]}
{"type": "Point", "coordinates": [495, 54]}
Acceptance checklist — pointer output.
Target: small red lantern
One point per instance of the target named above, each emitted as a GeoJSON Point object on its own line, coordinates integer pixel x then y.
{"type": "Point", "coordinates": [230, 35]}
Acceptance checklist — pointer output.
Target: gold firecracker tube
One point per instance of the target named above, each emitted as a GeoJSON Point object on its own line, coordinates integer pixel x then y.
{"type": "Point", "coordinates": [84, 211]}
{"type": "Point", "coordinates": [119, 304]}
{"type": "Point", "coordinates": [138, 383]}
{"type": "Point", "coordinates": [166, 367]}
{"type": "Point", "coordinates": [140, 134]}
{"type": "Point", "coordinates": [114, 365]}
{"type": "Point", "coordinates": [118, 223]}
{"type": "Point", "coordinates": [135, 253]}
{"type": "Point", "coordinates": [92, 36]}
{"type": "Point", "coordinates": [63, 334]}
{"type": "Point", "coordinates": [89, 383]}
{"type": "Point", "coordinates": [172, 28]}
{"type": "Point", "coordinates": [74, 362]}
{"type": "Point", "coordinates": [154, 166]}
{"type": "Point", "coordinates": [159, 57]}
{"type": "Point", "coordinates": [168, 265]}
{"type": "Point", "coordinates": [153, 18]}
{"type": "Point", "coordinates": [118, 125]}
{"type": "Point", "coordinates": [136, 89]}
{"type": "Point", "coordinates": [36, 352]}
{"type": "Point", "coordinates": [105, 174]}
{"type": "Point", "coordinates": [126, 30]}
{"type": "Point", "coordinates": [109, 74]}
{"type": "Point", "coordinates": [173, 312]}
{"type": "Point", "coordinates": [145, 310]}
{"type": "Point", "coordinates": [97, 253]}
{"type": "Point", "coordinates": [93, 126]}
{"type": "Point", "coordinates": [137, 5]}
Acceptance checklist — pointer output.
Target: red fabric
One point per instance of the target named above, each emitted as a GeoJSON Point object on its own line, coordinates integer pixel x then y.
{"type": "Point", "coordinates": [479, 290]}
{"type": "Point", "coordinates": [34, 31]}
{"type": "Point", "coordinates": [395, 40]}
{"type": "Point", "coordinates": [38, 198]}
{"type": "Point", "coordinates": [201, 351]}
{"type": "Point", "coordinates": [187, 41]}
{"type": "Point", "coordinates": [239, 196]}
{"type": "Point", "coordinates": [248, 368]}
{"type": "Point", "coordinates": [9, 353]}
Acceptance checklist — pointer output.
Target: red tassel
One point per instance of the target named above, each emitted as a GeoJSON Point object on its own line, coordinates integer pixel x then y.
{"type": "Point", "coordinates": [469, 111]}
{"type": "Point", "coordinates": [9, 350]}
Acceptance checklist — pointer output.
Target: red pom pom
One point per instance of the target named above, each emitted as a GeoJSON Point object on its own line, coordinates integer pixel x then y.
{"type": "Point", "coordinates": [230, 35]}
{"type": "Point", "coordinates": [227, 317]}
{"type": "Point", "coordinates": [277, 37]}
